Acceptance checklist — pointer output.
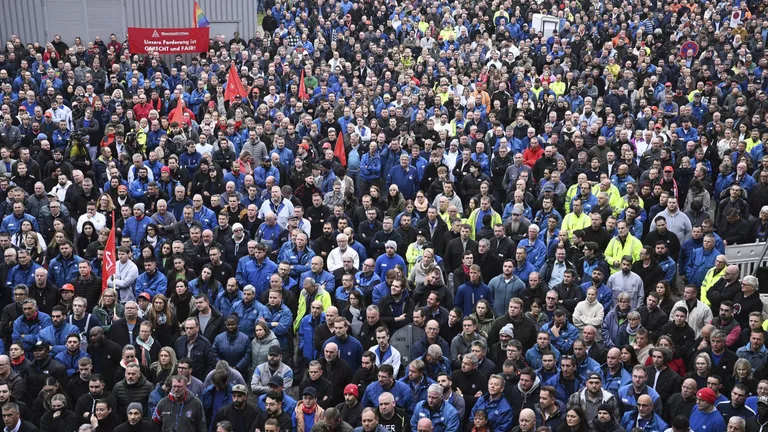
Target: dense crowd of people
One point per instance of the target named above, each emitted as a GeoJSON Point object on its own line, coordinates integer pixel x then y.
{"type": "Point", "coordinates": [415, 217]}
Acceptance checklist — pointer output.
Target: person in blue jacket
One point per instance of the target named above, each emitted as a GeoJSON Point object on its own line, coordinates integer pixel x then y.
{"type": "Point", "coordinates": [249, 310]}
{"type": "Point", "coordinates": [418, 381]}
{"type": "Point", "coordinates": [71, 356]}
{"type": "Point", "coordinates": [561, 332]}
{"type": "Point", "coordinates": [56, 334]}
{"type": "Point", "coordinates": [473, 290]}
{"type": "Point", "coordinates": [228, 296]}
{"type": "Point", "coordinates": [350, 348]}
{"type": "Point", "coordinates": [321, 277]}
{"type": "Point", "coordinates": [138, 187]}
{"type": "Point", "coordinates": [63, 268]}
{"type": "Point", "coordinates": [443, 415]}
{"type": "Point", "coordinates": [389, 260]}
{"type": "Point", "coordinates": [306, 331]}
{"type": "Point", "coordinates": [701, 261]}
{"type": "Point", "coordinates": [535, 249]}
{"type": "Point", "coordinates": [233, 346]}
{"type": "Point", "coordinates": [255, 268]}
{"type": "Point", "coordinates": [628, 393]}
{"type": "Point", "coordinates": [277, 316]}
{"type": "Point", "coordinates": [370, 167]}
{"type": "Point", "coordinates": [297, 255]}
{"type": "Point", "coordinates": [405, 176]}
{"type": "Point", "coordinates": [613, 374]}
{"type": "Point", "coordinates": [151, 281]}
{"type": "Point", "coordinates": [584, 363]}
{"type": "Point", "coordinates": [387, 384]}
{"type": "Point", "coordinates": [567, 382]}
{"type": "Point", "coordinates": [645, 418]}
{"type": "Point", "coordinates": [203, 214]}
{"type": "Point", "coordinates": [23, 273]}
{"type": "Point", "coordinates": [533, 356]}
{"type": "Point", "coordinates": [498, 410]}
{"type": "Point", "coordinates": [12, 223]}
{"type": "Point", "coordinates": [26, 328]}
{"type": "Point", "coordinates": [136, 226]}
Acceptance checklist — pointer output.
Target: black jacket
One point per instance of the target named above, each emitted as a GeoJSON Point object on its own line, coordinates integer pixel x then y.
{"type": "Point", "coordinates": [39, 371]}
{"type": "Point", "coordinates": [202, 355]}
{"type": "Point", "coordinates": [525, 330]}
{"type": "Point", "coordinates": [106, 359]}
{"type": "Point", "coordinates": [120, 334]}
{"type": "Point", "coordinates": [351, 415]}
{"type": "Point", "coordinates": [241, 420]}
{"type": "Point", "coordinates": [89, 288]}
{"type": "Point", "coordinates": [126, 393]}
{"type": "Point", "coordinates": [325, 392]}
{"type": "Point", "coordinates": [215, 324]}
{"type": "Point", "coordinates": [284, 422]}
{"type": "Point", "coordinates": [667, 384]}
{"type": "Point", "coordinates": [66, 422]}
{"type": "Point", "coordinates": [87, 404]}
{"type": "Point", "coordinates": [441, 228]}
{"type": "Point", "coordinates": [389, 308]}
{"type": "Point", "coordinates": [339, 374]}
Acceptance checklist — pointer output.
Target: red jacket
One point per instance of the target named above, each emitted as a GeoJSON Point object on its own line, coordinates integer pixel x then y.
{"type": "Point", "coordinates": [530, 156]}
{"type": "Point", "coordinates": [142, 111]}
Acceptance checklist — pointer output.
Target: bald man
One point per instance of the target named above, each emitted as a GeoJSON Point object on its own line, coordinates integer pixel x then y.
{"type": "Point", "coordinates": [526, 422]}
{"type": "Point", "coordinates": [681, 402]}
{"type": "Point", "coordinates": [725, 288]}
{"type": "Point", "coordinates": [643, 417]}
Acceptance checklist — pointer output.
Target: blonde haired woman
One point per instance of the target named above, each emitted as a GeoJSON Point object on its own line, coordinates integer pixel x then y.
{"type": "Point", "coordinates": [165, 365]}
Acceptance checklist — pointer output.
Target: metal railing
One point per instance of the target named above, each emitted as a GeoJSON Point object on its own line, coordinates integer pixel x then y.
{"type": "Point", "coordinates": [747, 257]}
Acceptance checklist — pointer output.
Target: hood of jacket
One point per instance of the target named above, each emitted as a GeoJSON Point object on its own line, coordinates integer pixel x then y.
{"type": "Point", "coordinates": [536, 384]}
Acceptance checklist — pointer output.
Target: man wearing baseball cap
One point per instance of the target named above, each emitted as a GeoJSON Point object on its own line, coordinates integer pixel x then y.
{"type": "Point", "coordinates": [240, 413]}
{"type": "Point", "coordinates": [276, 383]}
{"type": "Point", "coordinates": [705, 416]}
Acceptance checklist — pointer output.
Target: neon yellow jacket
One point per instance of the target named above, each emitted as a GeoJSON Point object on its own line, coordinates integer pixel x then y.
{"type": "Point", "coordinates": [616, 250]}
{"type": "Point", "coordinates": [614, 198]}
{"type": "Point", "coordinates": [558, 87]}
{"type": "Point", "coordinates": [495, 219]}
{"type": "Point", "coordinates": [572, 191]}
{"type": "Point", "coordinates": [571, 222]}
{"type": "Point", "coordinates": [709, 280]}
{"type": "Point", "coordinates": [412, 255]}
{"type": "Point", "coordinates": [322, 295]}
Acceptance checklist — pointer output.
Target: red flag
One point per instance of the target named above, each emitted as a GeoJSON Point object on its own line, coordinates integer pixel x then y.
{"type": "Point", "coordinates": [302, 88]}
{"type": "Point", "coordinates": [109, 265]}
{"type": "Point", "coordinates": [338, 150]}
{"type": "Point", "coordinates": [234, 85]}
{"type": "Point", "coordinates": [177, 115]}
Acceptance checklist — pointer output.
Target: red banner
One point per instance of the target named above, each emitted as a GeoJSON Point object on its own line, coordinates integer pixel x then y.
{"type": "Point", "coordinates": [109, 265]}
{"type": "Point", "coordinates": [168, 40]}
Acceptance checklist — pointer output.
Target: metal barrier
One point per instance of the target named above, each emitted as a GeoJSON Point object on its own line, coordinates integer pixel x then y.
{"type": "Point", "coordinates": [746, 256]}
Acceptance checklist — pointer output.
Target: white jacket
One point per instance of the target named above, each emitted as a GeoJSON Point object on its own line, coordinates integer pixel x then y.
{"type": "Point", "coordinates": [587, 313]}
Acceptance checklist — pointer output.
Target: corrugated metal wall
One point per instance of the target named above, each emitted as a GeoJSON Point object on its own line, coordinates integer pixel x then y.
{"type": "Point", "coordinates": [24, 18]}
{"type": "Point", "coordinates": [39, 20]}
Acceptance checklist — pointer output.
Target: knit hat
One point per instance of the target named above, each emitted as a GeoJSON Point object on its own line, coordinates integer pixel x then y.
{"type": "Point", "coordinates": [135, 406]}
{"type": "Point", "coordinates": [139, 206]}
{"type": "Point", "coordinates": [508, 330]}
{"type": "Point", "coordinates": [351, 389]}
{"type": "Point", "coordinates": [707, 395]}
{"type": "Point", "coordinates": [607, 408]}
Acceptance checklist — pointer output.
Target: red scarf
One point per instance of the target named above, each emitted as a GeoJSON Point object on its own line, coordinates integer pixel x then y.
{"type": "Point", "coordinates": [465, 268]}
{"type": "Point", "coordinates": [19, 361]}
{"type": "Point", "coordinates": [308, 411]}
